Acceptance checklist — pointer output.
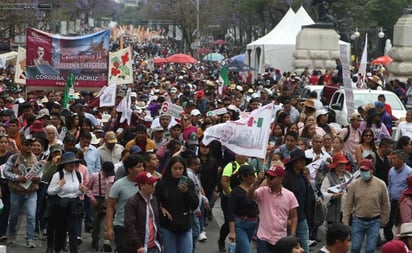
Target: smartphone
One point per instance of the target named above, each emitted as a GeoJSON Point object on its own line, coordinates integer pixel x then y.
{"type": "Point", "coordinates": [182, 180]}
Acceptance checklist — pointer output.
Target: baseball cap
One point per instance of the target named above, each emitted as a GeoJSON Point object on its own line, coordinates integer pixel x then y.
{"type": "Point", "coordinates": [110, 137]}
{"type": "Point", "coordinates": [276, 171]}
{"type": "Point", "coordinates": [193, 139]}
{"type": "Point", "coordinates": [366, 164]}
{"type": "Point", "coordinates": [355, 116]}
{"type": "Point", "coordinates": [195, 112]}
{"type": "Point", "coordinates": [135, 149]}
{"type": "Point", "coordinates": [145, 177]}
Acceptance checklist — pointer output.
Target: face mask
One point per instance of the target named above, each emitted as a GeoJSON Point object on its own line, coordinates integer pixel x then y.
{"type": "Point", "coordinates": [365, 175]}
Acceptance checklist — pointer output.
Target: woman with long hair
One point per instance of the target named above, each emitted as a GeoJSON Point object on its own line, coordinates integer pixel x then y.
{"type": "Point", "coordinates": [373, 122]}
{"type": "Point", "coordinates": [177, 198]}
{"type": "Point", "coordinates": [277, 136]}
{"type": "Point", "coordinates": [242, 211]}
{"type": "Point", "coordinates": [67, 185]}
{"type": "Point", "coordinates": [73, 125]}
{"type": "Point", "coordinates": [283, 119]}
{"type": "Point", "coordinates": [366, 145]}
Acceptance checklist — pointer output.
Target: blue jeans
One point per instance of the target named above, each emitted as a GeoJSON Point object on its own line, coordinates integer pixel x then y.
{"type": "Point", "coordinates": [29, 202]}
{"type": "Point", "coordinates": [174, 242]}
{"type": "Point", "coordinates": [244, 231]}
{"type": "Point", "coordinates": [195, 229]}
{"type": "Point", "coordinates": [302, 232]}
{"type": "Point", "coordinates": [360, 228]}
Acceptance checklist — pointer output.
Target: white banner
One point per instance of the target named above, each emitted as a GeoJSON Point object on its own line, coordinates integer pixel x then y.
{"type": "Point", "coordinates": [247, 136]}
{"type": "Point", "coordinates": [120, 67]}
{"type": "Point", "coordinates": [347, 80]}
{"type": "Point", "coordinates": [108, 96]}
{"type": "Point", "coordinates": [20, 75]}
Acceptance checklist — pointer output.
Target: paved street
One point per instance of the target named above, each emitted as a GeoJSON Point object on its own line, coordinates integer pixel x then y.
{"type": "Point", "coordinates": [210, 246]}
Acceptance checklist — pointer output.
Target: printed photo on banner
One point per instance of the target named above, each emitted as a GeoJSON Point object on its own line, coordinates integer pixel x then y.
{"type": "Point", "coordinates": [247, 136]}
{"type": "Point", "coordinates": [51, 58]}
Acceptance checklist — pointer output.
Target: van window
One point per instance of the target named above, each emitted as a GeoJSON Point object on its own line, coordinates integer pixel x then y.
{"type": "Point", "coordinates": [305, 93]}
{"type": "Point", "coordinates": [335, 97]}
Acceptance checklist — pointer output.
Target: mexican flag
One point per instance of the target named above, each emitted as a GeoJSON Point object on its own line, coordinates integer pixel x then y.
{"type": "Point", "coordinates": [223, 79]}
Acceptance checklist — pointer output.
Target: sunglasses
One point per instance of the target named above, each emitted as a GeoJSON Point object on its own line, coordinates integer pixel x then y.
{"type": "Point", "coordinates": [28, 144]}
{"type": "Point", "coordinates": [368, 135]}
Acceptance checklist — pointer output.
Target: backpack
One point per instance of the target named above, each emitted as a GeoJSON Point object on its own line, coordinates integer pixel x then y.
{"type": "Point", "coordinates": [234, 178]}
{"type": "Point", "coordinates": [79, 176]}
{"type": "Point", "coordinates": [348, 134]}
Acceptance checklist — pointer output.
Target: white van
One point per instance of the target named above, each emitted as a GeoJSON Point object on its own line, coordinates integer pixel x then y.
{"type": "Point", "coordinates": [337, 105]}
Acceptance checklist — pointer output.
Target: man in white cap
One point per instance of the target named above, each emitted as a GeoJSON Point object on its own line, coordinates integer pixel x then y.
{"type": "Point", "coordinates": [351, 134]}
{"type": "Point", "coordinates": [110, 151]}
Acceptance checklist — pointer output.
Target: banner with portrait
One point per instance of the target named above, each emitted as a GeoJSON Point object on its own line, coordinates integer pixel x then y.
{"type": "Point", "coordinates": [51, 58]}
{"type": "Point", "coordinates": [247, 136]}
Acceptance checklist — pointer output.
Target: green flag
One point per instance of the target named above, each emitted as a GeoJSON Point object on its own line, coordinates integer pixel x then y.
{"type": "Point", "coordinates": [69, 85]}
{"type": "Point", "coordinates": [224, 77]}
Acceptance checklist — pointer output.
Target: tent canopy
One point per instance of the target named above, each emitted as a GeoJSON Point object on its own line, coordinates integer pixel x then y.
{"type": "Point", "coordinates": [276, 48]}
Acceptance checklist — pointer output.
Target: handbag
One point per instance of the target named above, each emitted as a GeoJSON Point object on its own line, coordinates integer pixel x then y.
{"type": "Point", "coordinates": [319, 215]}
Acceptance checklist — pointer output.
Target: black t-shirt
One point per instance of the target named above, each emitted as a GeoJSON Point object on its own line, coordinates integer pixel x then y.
{"type": "Point", "coordinates": [241, 205]}
{"type": "Point", "coordinates": [382, 167]}
{"type": "Point", "coordinates": [3, 159]}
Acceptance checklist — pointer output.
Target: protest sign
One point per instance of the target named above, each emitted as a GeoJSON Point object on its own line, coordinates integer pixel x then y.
{"type": "Point", "coordinates": [120, 67]}
{"type": "Point", "coordinates": [247, 136]}
{"type": "Point", "coordinates": [51, 58]}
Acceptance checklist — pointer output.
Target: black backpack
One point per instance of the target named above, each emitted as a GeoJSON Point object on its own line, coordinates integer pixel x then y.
{"type": "Point", "coordinates": [61, 175]}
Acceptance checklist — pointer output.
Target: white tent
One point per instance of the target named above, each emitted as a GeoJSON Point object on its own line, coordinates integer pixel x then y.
{"type": "Point", "coordinates": [288, 18]}
{"type": "Point", "coordinates": [8, 58]}
{"type": "Point", "coordinates": [276, 48]}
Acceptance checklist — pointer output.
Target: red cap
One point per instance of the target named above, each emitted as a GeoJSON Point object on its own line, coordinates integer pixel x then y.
{"type": "Point", "coordinates": [276, 171]}
{"type": "Point", "coordinates": [145, 177]}
{"type": "Point", "coordinates": [394, 246]}
{"type": "Point", "coordinates": [366, 164]}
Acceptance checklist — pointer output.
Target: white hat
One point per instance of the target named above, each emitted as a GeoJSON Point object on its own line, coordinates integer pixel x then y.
{"type": "Point", "coordinates": [321, 112]}
{"type": "Point", "coordinates": [195, 112]}
{"type": "Point", "coordinates": [406, 229]}
{"type": "Point", "coordinates": [255, 95]}
{"type": "Point", "coordinates": [239, 88]}
{"type": "Point", "coordinates": [94, 140]}
{"type": "Point", "coordinates": [133, 94]}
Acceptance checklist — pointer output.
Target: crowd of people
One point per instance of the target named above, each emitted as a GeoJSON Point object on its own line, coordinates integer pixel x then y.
{"type": "Point", "coordinates": [151, 185]}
